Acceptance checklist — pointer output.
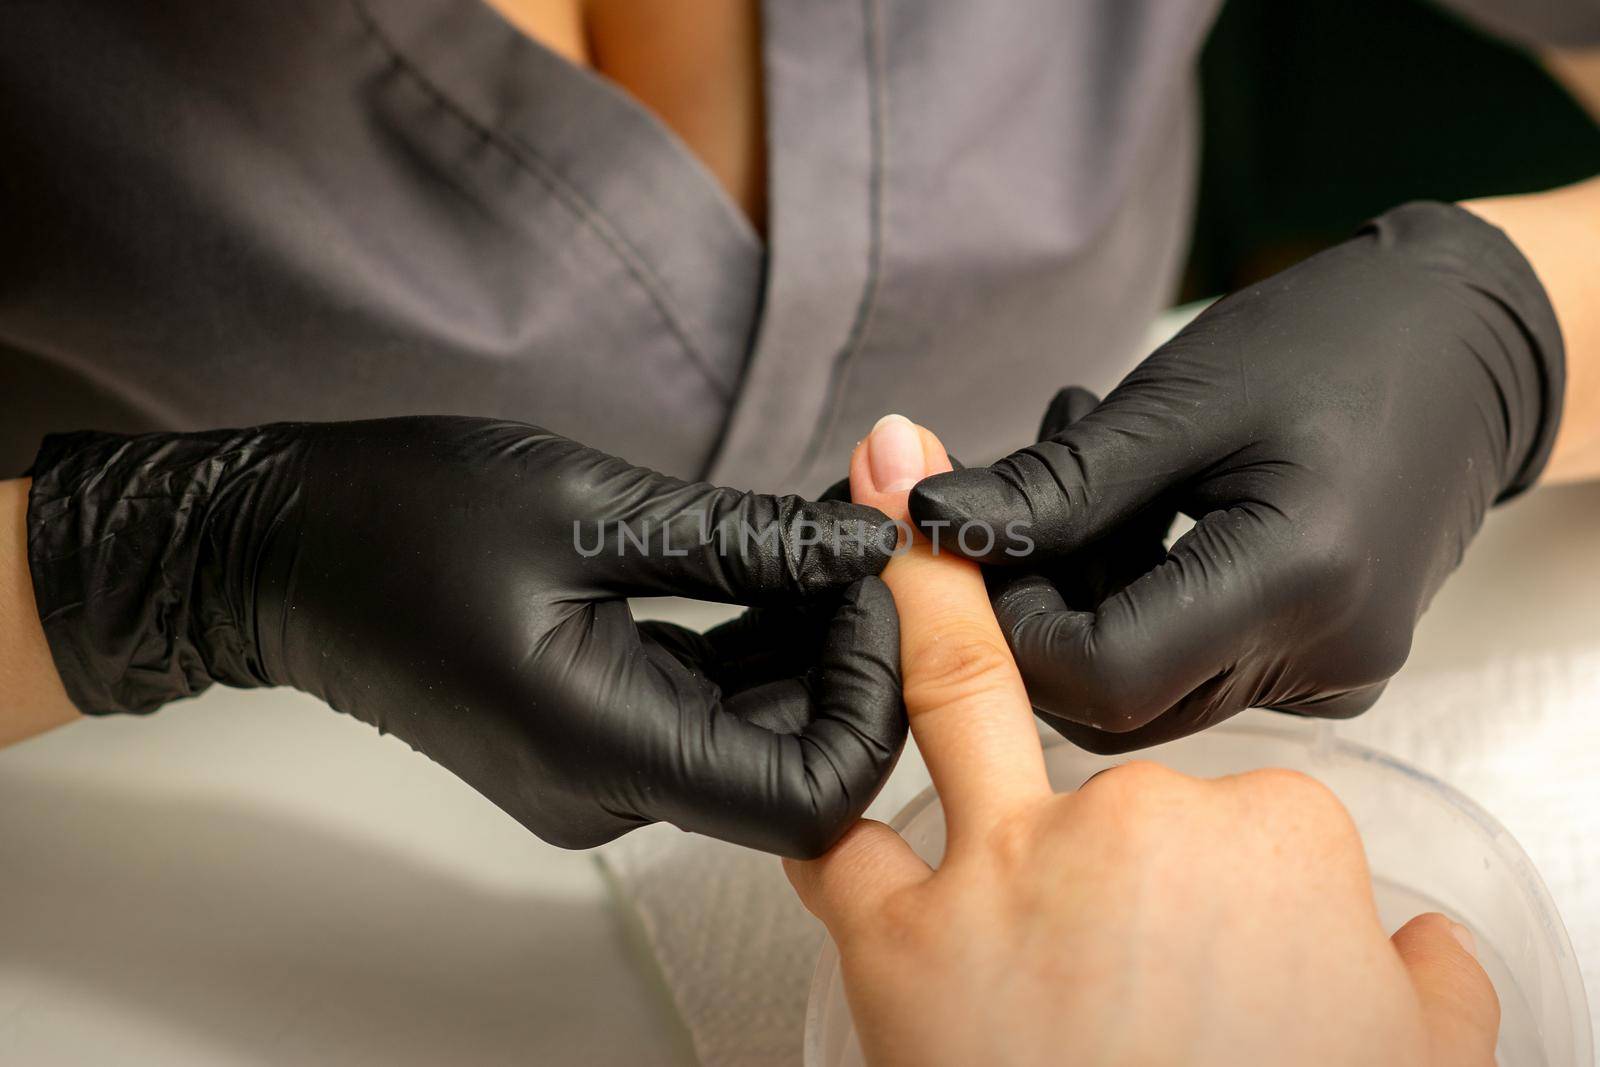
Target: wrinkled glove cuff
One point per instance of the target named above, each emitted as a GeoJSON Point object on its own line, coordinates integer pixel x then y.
{"type": "Point", "coordinates": [1528, 362]}
{"type": "Point", "coordinates": [141, 551]}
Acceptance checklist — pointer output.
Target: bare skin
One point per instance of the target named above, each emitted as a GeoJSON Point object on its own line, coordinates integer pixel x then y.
{"type": "Point", "coordinates": [1149, 918]}
{"type": "Point", "coordinates": [695, 63]}
{"type": "Point", "coordinates": [1559, 233]}
{"type": "Point", "coordinates": [1578, 69]}
{"type": "Point", "coordinates": [556, 24]}
{"type": "Point", "coordinates": [34, 700]}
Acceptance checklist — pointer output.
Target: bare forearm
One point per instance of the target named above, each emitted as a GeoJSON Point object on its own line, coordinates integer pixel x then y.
{"type": "Point", "coordinates": [1559, 232]}
{"type": "Point", "coordinates": [31, 697]}
{"type": "Point", "coordinates": [1579, 71]}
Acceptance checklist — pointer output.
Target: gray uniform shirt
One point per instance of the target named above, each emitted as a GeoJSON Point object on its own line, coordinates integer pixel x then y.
{"type": "Point", "coordinates": [331, 209]}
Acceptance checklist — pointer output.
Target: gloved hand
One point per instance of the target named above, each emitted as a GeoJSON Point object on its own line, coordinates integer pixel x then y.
{"type": "Point", "coordinates": [1338, 431]}
{"type": "Point", "coordinates": [459, 583]}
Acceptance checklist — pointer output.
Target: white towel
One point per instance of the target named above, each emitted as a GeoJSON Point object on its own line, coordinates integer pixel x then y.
{"type": "Point", "coordinates": [729, 936]}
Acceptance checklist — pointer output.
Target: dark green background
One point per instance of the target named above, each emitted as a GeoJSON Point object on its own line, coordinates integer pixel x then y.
{"type": "Point", "coordinates": [1321, 113]}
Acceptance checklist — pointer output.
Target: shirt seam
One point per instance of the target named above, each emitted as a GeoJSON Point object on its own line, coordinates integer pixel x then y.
{"type": "Point", "coordinates": [867, 305]}
{"type": "Point", "coordinates": [528, 160]}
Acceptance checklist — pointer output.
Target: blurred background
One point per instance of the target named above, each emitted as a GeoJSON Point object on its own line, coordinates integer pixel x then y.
{"type": "Point", "coordinates": [1292, 165]}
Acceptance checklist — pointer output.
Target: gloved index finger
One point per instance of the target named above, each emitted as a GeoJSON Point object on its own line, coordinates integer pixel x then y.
{"type": "Point", "coordinates": [969, 712]}
{"type": "Point", "coordinates": [1201, 636]}
{"type": "Point", "coordinates": [652, 535]}
{"type": "Point", "coordinates": [1062, 494]}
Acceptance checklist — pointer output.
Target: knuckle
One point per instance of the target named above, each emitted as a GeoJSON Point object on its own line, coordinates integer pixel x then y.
{"type": "Point", "coordinates": [961, 662]}
{"type": "Point", "coordinates": [1285, 782]}
{"type": "Point", "coordinates": [1302, 801]}
{"type": "Point", "coordinates": [1337, 560]}
{"type": "Point", "coordinates": [1136, 778]}
{"type": "Point", "coordinates": [904, 918]}
{"type": "Point", "coordinates": [1141, 800]}
{"type": "Point", "coordinates": [1137, 794]}
{"type": "Point", "coordinates": [1013, 844]}
{"type": "Point", "coordinates": [1328, 564]}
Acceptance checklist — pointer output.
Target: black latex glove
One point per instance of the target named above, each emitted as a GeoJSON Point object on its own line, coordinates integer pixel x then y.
{"type": "Point", "coordinates": [772, 645]}
{"type": "Point", "coordinates": [1338, 430]}
{"type": "Point", "coordinates": [442, 579]}
{"type": "Point", "coordinates": [1104, 567]}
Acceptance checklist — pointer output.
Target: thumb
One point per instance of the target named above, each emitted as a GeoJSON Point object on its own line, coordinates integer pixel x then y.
{"type": "Point", "coordinates": [847, 886]}
{"type": "Point", "coordinates": [1459, 1005]}
{"type": "Point", "coordinates": [1061, 494]}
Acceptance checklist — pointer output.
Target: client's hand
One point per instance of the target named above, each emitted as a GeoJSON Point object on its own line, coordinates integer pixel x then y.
{"type": "Point", "coordinates": [1148, 918]}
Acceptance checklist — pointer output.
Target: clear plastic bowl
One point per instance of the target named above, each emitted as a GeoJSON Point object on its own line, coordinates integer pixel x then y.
{"type": "Point", "coordinates": [1430, 849]}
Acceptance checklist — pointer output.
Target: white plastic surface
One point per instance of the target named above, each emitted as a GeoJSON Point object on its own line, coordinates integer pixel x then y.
{"type": "Point", "coordinates": [249, 879]}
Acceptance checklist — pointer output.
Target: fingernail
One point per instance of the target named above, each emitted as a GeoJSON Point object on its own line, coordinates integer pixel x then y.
{"type": "Point", "coordinates": [894, 454]}
{"type": "Point", "coordinates": [1465, 939]}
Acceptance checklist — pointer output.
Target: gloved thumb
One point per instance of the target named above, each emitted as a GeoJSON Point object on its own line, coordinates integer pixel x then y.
{"type": "Point", "coordinates": [1459, 1005]}
{"type": "Point", "coordinates": [1094, 472]}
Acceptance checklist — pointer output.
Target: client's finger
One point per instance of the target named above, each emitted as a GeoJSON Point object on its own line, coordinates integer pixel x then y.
{"type": "Point", "coordinates": [1459, 1005]}
{"type": "Point", "coordinates": [848, 883]}
{"type": "Point", "coordinates": [969, 711]}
